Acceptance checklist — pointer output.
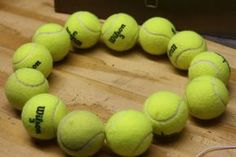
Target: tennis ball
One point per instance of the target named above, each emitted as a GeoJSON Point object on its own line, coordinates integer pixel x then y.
{"type": "Point", "coordinates": [210, 63]}
{"type": "Point", "coordinates": [84, 29]}
{"type": "Point", "coordinates": [183, 47]}
{"type": "Point", "coordinates": [80, 134]}
{"type": "Point", "coordinates": [155, 34]}
{"type": "Point", "coordinates": [55, 38]}
{"type": "Point", "coordinates": [42, 114]}
{"type": "Point", "coordinates": [206, 97]}
{"type": "Point", "coordinates": [24, 84]}
{"type": "Point", "coordinates": [128, 133]}
{"type": "Point", "coordinates": [120, 32]}
{"type": "Point", "coordinates": [167, 112]}
{"type": "Point", "coordinates": [33, 55]}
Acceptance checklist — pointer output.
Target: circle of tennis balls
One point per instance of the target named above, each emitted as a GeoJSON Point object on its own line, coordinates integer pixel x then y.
{"type": "Point", "coordinates": [167, 111]}
{"type": "Point", "coordinates": [42, 114]}
{"type": "Point", "coordinates": [128, 133]}
{"type": "Point", "coordinates": [33, 55]}
{"type": "Point", "coordinates": [206, 97]}
{"type": "Point", "coordinates": [55, 38]}
{"type": "Point", "coordinates": [24, 84]}
{"type": "Point", "coordinates": [183, 47]}
{"type": "Point", "coordinates": [80, 134]}
{"type": "Point", "coordinates": [155, 34]}
{"type": "Point", "coordinates": [84, 29]}
{"type": "Point", "coordinates": [210, 63]}
{"type": "Point", "coordinates": [120, 32]}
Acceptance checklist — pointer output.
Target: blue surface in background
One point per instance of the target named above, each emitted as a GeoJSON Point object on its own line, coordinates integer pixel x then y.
{"type": "Point", "coordinates": [225, 41]}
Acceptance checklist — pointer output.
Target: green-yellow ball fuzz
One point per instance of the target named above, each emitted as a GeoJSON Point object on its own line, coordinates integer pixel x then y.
{"type": "Point", "coordinates": [206, 97]}
{"type": "Point", "coordinates": [80, 134]}
{"type": "Point", "coordinates": [167, 112]}
{"type": "Point", "coordinates": [210, 63]}
{"type": "Point", "coordinates": [42, 114]}
{"type": "Point", "coordinates": [33, 55]}
{"type": "Point", "coordinates": [55, 38]}
{"type": "Point", "coordinates": [183, 47]}
{"type": "Point", "coordinates": [84, 29]}
{"type": "Point", "coordinates": [128, 133]}
{"type": "Point", "coordinates": [120, 32]}
{"type": "Point", "coordinates": [155, 34]}
{"type": "Point", "coordinates": [24, 84]}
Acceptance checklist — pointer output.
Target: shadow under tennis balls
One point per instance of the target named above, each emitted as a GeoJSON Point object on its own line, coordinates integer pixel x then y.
{"type": "Point", "coordinates": [208, 123]}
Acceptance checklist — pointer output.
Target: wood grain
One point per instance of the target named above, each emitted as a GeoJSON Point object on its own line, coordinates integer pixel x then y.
{"type": "Point", "coordinates": [104, 82]}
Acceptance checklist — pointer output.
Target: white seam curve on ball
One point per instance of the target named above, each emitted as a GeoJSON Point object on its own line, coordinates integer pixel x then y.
{"type": "Point", "coordinates": [180, 53]}
{"type": "Point", "coordinates": [156, 34]}
{"type": "Point", "coordinates": [83, 25]}
{"type": "Point", "coordinates": [208, 62]}
{"type": "Point", "coordinates": [84, 145]}
{"type": "Point", "coordinates": [29, 54]}
{"type": "Point", "coordinates": [54, 113]}
{"type": "Point", "coordinates": [59, 135]}
{"type": "Point", "coordinates": [29, 85]}
{"type": "Point", "coordinates": [113, 125]}
{"type": "Point", "coordinates": [132, 39]}
{"type": "Point", "coordinates": [111, 25]}
{"type": "Point", "coordinates": [213, 80]}
{"type": "Point", "coordinates": [140, 143]}
{"type": "Point", "coordinates": [170, 118]}
{"type": "Point", "coordinates": [49, 33]}
{"type": "Point", "coordinates": [187, 102]}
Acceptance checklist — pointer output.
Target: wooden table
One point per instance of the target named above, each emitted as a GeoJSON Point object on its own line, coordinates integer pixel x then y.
{"type": "Point", "coordinates": [104, 82]}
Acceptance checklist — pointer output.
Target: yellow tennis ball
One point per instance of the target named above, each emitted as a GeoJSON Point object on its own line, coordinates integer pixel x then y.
{"type": "Point", "coordinates": [167, 111]}
{"type": "Point", "coordinates": [206, 97]}
{"type": "Point", "coordinates": [80, 134]}
{"type": "Point", "coordinates": [24, 84]}
{"type": "Point", "coordinates": [55, 38]}
{"type": "Point", "coordinates": [155, 34]}
{"type": "Point", "coordinates": [183, 47]}
{"type": "Point", "coordinates": [41, 116]}
{"type": "Point", "coordinates": [210, 63]}
{"type": "Point", "coordinates": [33, 55]}
{"type": "Point", "coordinates": [84, 29]}
{"type": "Point", "coordinates": [120, 32]}
{"type": "Point", "coordinates": [128, 133]}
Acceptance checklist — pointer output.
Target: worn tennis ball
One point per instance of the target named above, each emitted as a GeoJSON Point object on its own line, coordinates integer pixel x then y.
{"type": "Point", "coordinates": [210, 63]}
{"type": "Point", "coordinates": [120, 32]}
{"type": "Point", "coordinates": [128, 133]}
{"type": "Point", "coordinates": [84, 29]}
{"type": "Point", "coordinates": [24, 84]}
{"type": "Point", "coordinates": [183, 47]}
{"type": "Point", "coordinates": [80, 134]}
{"type": "Point", "coordinates": [155, 34]}
{"type": "Point", "coordinates": [206, 97]}
{"type": "Point", "coordinates": [33, 55]}
{"type": "Point", "coordinates": [55, 38]}
{"type": "Point", "coordinates": [42, 114]}
{"type": "Point", "coordinates": [167, 111]}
